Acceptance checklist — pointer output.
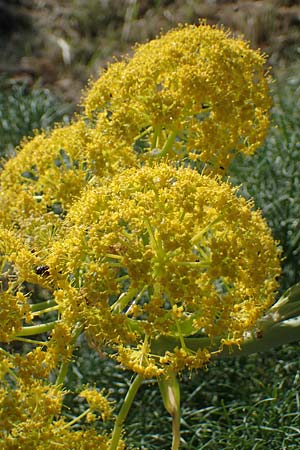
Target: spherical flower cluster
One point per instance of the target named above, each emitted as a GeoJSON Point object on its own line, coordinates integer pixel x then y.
{"type": "Point", "coordinates": [160, 251]}
{"type": "Point", "coordinates": [193, 93]}
{"type": "Point", "coordinates": [48, 173]}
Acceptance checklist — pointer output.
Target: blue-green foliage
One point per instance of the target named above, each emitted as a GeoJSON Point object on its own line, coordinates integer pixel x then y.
{"type": "Point", "coordinates": [23, 110]}
{"type": "Point", "coordinates": [272, 175]}
{"type": "Point", "coordinates": [245, 403]}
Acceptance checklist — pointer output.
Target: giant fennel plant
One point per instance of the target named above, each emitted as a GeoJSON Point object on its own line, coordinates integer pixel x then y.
{"type": "Point", "coordinates": [125, 220]}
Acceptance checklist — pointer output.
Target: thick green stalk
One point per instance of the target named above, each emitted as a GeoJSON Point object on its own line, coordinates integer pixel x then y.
{"type": "Point", "coordinates": [280, 325]}
{"type": "Point", "coordinates": [37, 329]}
{"type": "Point", "coordinates": [170, 392]}
{"type": "Point", "coordinates": [256, 342]}
{"type": "Point", "coordinates": [176, 430]}
{"type": "Point", "coordinates": [117, 431]}
{"type": "Point", "coordinates": [42, 305]}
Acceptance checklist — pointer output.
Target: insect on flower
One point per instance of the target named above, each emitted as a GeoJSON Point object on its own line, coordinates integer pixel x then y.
{"type": "Point", "coordinates": [42, 270]}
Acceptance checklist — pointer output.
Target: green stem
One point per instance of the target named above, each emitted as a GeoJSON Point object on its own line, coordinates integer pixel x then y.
{"type": "Point", "coordinates": [69, 424]}
{"type": "Point", "coordinates": [280, 325]}
{"type": "Point", "coordinates": [200, 233]}
{"type": "Point", "coordinates": [168, 144]}
{"type": "Point", "coordinates": [137, 299]}
{"type": "Point", "coordinates": [155, 244]}
{"type": "Point", "coordinates": [46, 310]}
{"type": "Point", "coordinates": [113, 256]}
{"type": "Point", "coordinates": [123, 300]}
{"type": "Point", "coordinates": [42, 305]}
{"type": "Point", "coordinates": [124, 412]}
{"type": "Point", "coordinates": [144, 133]}
{"type": "Point", "coordinates": [30, 341]}
{"type": "Point", "coordinates": [289, 311]}
{"type": "Point", "coordinates": [156, 152]}
{"type": "Point", "coordinates": [176, 431]}
{"type": "Point", "coordinates": [197, 264]}
{"type": "Point", "coordinates": [155, 138]}
{"type": "Point", "coordinates": [181, 338]}
{"type": "Point", "coordinates": [63, 370]}
{"type": "Point", "coordinates": [170, 392]}
{"type": "Point", "coordinates": [279, 334]}
{"type": "Point", "coordinates": [276, 335]}
{"type": "Point", "coordinates": [65, 365]}
{"type": "Point", "coordinates": [37, 329]}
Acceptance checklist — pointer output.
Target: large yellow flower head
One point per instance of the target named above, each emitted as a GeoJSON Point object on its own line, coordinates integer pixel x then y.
{"type": "Point", "coordinates": [193, 93]}
{"type": "Point", "coordinates": [49, 171]}
{"type": "Point", "coordinates": [45, 175]}
{"type": "Point", "coordinates": [161, 251]}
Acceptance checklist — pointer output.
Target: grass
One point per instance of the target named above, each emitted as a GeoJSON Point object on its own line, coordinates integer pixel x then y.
{"type": "Point", "coordinates": [238, 404]}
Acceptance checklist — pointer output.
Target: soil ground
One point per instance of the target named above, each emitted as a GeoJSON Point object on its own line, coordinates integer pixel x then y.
{"type": "Point", "coordinates": [61, 44]}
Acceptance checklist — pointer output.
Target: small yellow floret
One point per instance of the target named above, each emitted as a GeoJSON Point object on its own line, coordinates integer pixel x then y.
{"type": "Point", "coordinates": [97, 402]}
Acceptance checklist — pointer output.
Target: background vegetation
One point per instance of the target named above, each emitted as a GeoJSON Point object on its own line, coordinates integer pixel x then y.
{"type": "Point", "coordinates": [48, 50]}
{"type": "Point", "coordinates": [63, 43]}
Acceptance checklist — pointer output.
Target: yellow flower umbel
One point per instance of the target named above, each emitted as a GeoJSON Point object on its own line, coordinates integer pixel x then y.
{"type": "Point", "coordinates": [49, 171]}
{"type": "Point", "coordinates": [193, 93]}
{"type": "Point", "coordinates": [165, 252]}
{"type": "Point", "coordinates": [45, 175]}
{"type": "Point", "coordinates": [31, 418]}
